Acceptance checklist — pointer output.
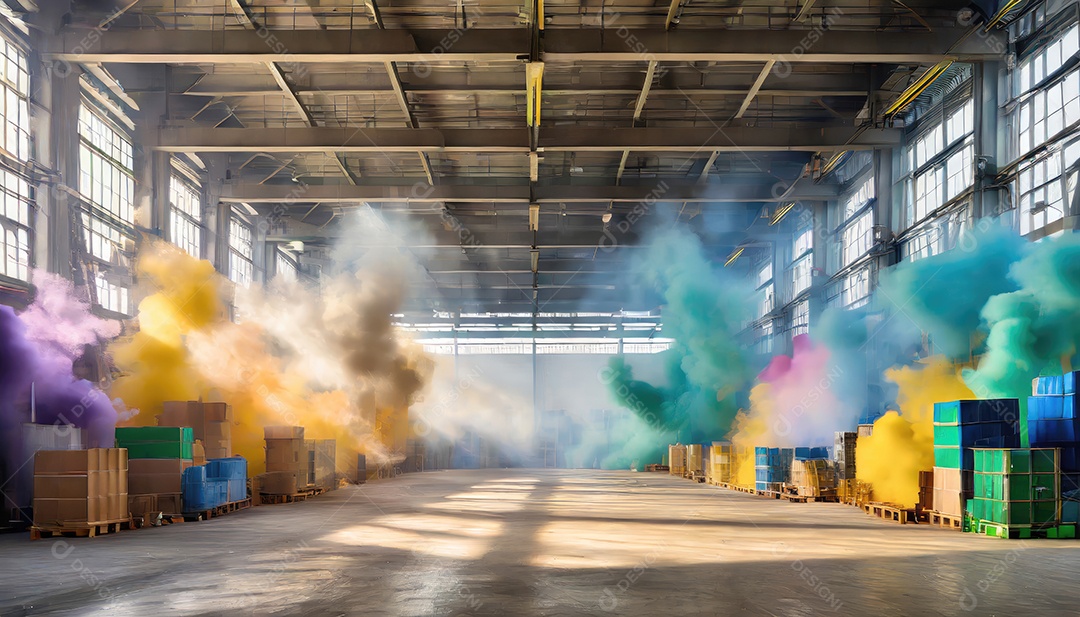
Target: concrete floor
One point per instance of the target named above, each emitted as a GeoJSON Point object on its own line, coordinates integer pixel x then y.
{"type": "Point", "coordinates": [539, 542]}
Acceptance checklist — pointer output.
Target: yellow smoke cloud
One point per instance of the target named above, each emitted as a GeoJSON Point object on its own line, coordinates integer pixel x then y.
{"type": "Point", "coordinates": [902, 444]}
{"type": "Point", "coordinates": [749, 431]}
{"type": "Point", "coordinates": [186, 348]}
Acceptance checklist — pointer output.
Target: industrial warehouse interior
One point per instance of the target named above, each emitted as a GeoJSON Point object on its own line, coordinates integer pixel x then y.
{"type": "Point", "coordinates": [539, 307]}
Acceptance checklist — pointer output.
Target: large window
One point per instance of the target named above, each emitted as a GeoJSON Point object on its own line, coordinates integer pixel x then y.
{"type": "Point", "coordinates": [851, 291]}
{"type": "Point", "coordinates": [801, 275]}
{"type": "Point", "coordinates": [185, 211]}
{"type": "Point", "coordinates": [15, 223]}
{"type": "Point", "coordinates": [859, 196]}
{"type": "Point", "coordinates": [1049, 101]}
{"type": "Point", "coordinates": [241, 252]}
{"type": "Point", "coordinates": [766, 289]}
{"type": "Point", "coordinates": [1044, 187]}
{"type": "Point", "coordinates": [110, 296]}
{"type": "Point", "coordinates": [857, 237]}
{"type": "Point", "coordinates": [107, 183]}
{"type": "Point", "coordinates": [941, 160]}
{"type": "Point", "coordinates": [287, 267]}
{"type": "Point", "coordinates": [15, 89]}
{"type": "Point", "coordinates": [800, 318]}
{"type": "Point", "coordinates": [15, 226]}
{"type": "Point", "coordinates": [801, 261]}
{"type": "Point", "coordinates": [1048, 95]}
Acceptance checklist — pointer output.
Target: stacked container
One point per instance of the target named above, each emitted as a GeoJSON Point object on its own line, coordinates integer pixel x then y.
{"type": "Point", "coordinates": [156, 442]}
{"type": "Point", "coordinates": [233, 471]}
{"type": "Point", "coordinates": [1016, 489]}
{"type": "Point", "coordinates": [677, 460]}
{"type": "Point", "coordinates": [203, 493]}
{"type": "Point", "coordinates": [844, 453]}
{"type": "Point", "coordinates": [695, 464]}
{"type": "Point", "coordinates": [803, 454]}
{"type": "Point", "coordinates": [288, 461]}
{"type": "Point", "coordinates": [721, 463]}
{"type": "Point", "coordinates": [210, 422]}
{"type": "Point", "coordinates": [158, 458]}
{"type": "Point", "coordinates": [326, 463]}
{"type": "Point", "coordinates": [1054, 422]}
{"type": "Point", "coordinates": [771, 468]}
{"type": "Point", "coordinates": [813, 477]}
{"type": "Point", "coordinates": [960, 426]}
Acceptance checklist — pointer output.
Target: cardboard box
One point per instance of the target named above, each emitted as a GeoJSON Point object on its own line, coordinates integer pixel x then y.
{"type": "Point", "coordinates": [69, 462]}
{"type": "Point", "coordinates": [141, 484]}
{"type": "Point", "coordinates": [198, 454]}
{"type": "Point", "coordinates": [144, 466]}
{"type": "Point", "coordinates": [52, 512]}
{"type": "Point", "coordinates": [119, 507]}
{"type": "Point", "coordinates": [278, 483]}
{"type": "Point", "coordinates": [283, 432]}
{"type": "Point", "coordinates": [70, 487]}
{"type": "Point", "coordinates": [948, 502]}
{"type": "Point", "coordinates": [217, 412]}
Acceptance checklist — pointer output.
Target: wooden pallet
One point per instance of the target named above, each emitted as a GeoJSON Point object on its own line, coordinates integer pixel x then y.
{"type": "Point", "coordinates": [655, 467]}
{"type": "Point", "coordinates": [233, 506]}
{"type": "Point", "coordinates": [80, 530]}
{"type": "Point", "coordinates": [945, 521]}
{"type": "Point", "coordinates": [272, 499]}
{"type": "Point", "coordinates": [891, 512]}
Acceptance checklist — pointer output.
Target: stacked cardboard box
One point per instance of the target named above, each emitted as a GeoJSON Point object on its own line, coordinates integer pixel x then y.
{"type": "Point", "coordinates": [155, 485]}
{"type": "Point", "coordinates": [211, 424]}
{"type": "Point", "coordinates": [844, 454]}
{"type": "Point", "coordinates": [326, 463]}
{"type": "Point", "coordinates": [289, 462]}
{"type": "Point", "coordinates": [17, 495]}
{"type": "Point", "coordinates": [694, 460]}
{"type": "Point", "coordinates": [813, 477]}
{"type": "Point", "coordinates": [77, 488]}
{"type": "Point", "coordinates": [719, 469]}
{"type": "Point", "coordinates": [677, 460]}
{"type": "Point", "coordinates": [926, 490]}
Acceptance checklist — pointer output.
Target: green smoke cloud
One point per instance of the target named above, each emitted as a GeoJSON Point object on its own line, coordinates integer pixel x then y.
{"type": "Point", "coordinates": [704, 310]}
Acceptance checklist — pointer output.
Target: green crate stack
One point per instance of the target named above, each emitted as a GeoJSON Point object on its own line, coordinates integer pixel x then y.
{"type": "Point", "coordinates": [156, 441]}
{"type": "Point", "coordinates": [1016, 488]}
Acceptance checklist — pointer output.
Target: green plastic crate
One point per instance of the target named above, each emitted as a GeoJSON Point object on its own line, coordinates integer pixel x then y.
{"type": "Point", "coordinates": [1044, 460]}
{"type": "Point", "coordinates": [947, 456]}
{"type": "Point", "coordinates": [1045, 486]}
{"type": "Point", "coordinates": [946, 435]}
{"type": "Point", "coordinates": [159, 449]}
{"type": "Point", "coordinates": [132, 434]}
{"type": "Point", "coordinates": [948, 413]}
{"type": "Point", "coordinates": [1046, 512]}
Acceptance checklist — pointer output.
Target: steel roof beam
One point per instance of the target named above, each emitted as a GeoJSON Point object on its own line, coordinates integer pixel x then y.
{"type": "Point", "coordinates": [512, 45]}
{"type": "Point", "coordinates": [660, 190]}
{"type": "Point", "coordinates": [554, 139]}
